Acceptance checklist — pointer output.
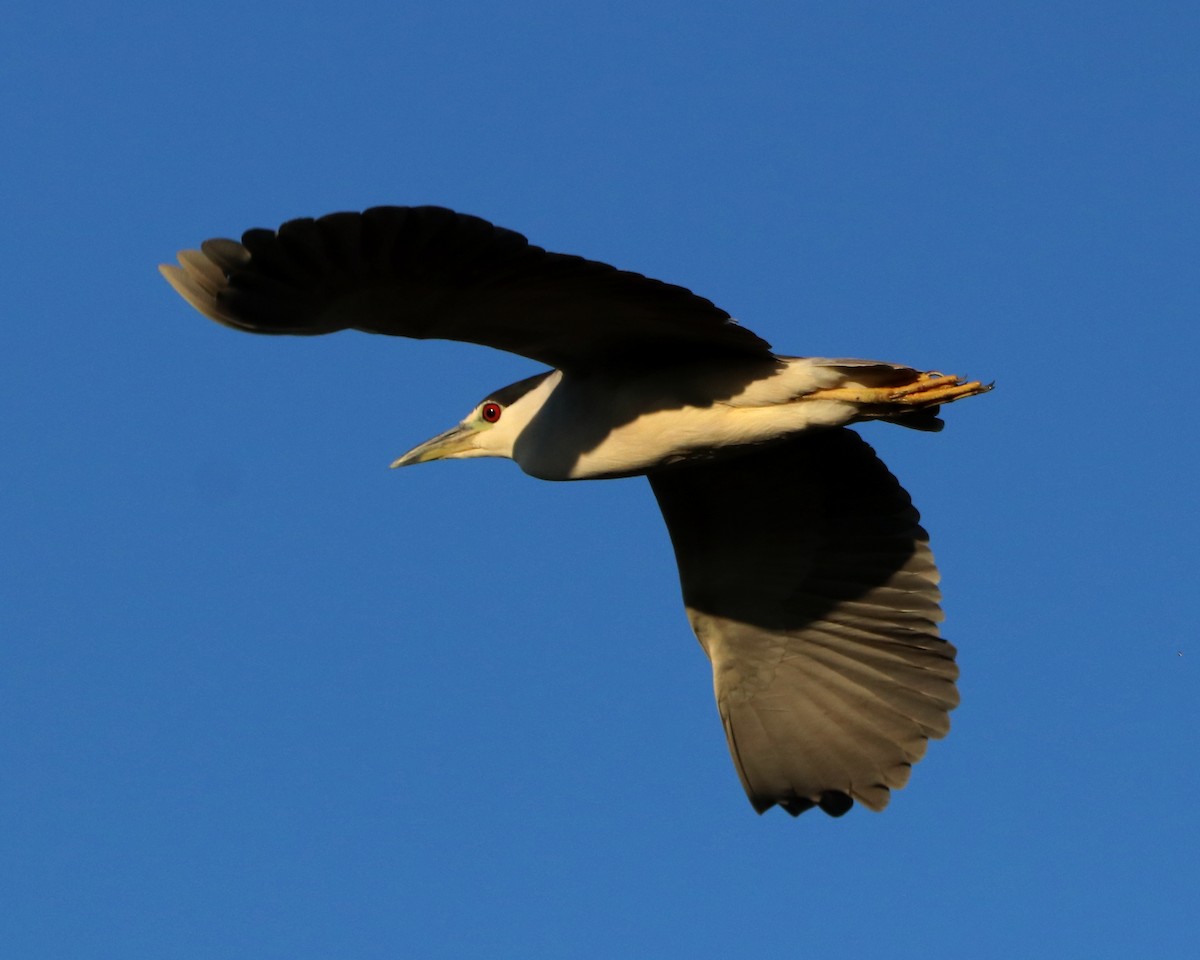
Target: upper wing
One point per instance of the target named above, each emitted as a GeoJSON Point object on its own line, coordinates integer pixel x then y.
{"type": "Point", "coordinates": [427, 272]}
{"type": "Point", "coordinates": [809, 581]}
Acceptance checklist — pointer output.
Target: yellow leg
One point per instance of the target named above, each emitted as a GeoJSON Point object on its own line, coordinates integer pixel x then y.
{"type": "Point", "coordinates": [925, 390]}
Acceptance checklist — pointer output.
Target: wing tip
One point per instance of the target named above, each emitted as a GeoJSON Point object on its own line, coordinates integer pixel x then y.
{"type": "Point", "coordinates": [835, 803]}
{"type": "Point", "coordinates": [196, 285]}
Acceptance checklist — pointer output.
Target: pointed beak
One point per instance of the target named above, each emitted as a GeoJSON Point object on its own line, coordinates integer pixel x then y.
{"type": "Point", "coordinates": [455, 442]}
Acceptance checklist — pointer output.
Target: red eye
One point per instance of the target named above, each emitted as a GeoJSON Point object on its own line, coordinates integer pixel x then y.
{"type": "Point", "coordinates": [490, 412]}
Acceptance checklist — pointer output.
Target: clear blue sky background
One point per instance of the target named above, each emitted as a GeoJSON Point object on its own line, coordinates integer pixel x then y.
{"type": "Point", "coordinates": [262, 697]}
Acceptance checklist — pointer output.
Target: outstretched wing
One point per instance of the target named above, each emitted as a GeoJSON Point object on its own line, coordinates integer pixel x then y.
{"type": "Point", "coordinates": [810, 584]}
{"type": "Point", "coordinates": [427, 272]}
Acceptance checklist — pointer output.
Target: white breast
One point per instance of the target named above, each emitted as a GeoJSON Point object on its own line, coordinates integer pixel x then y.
{"type": "Point", "coordinates": [596, 427]}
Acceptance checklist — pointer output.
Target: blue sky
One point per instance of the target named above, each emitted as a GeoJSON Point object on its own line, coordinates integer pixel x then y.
{"type": "Point", "coordinates": [262, 697]}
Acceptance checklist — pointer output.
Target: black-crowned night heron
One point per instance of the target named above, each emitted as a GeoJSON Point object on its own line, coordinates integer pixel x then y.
{"type": "Point", "coordinates": [806, 575]}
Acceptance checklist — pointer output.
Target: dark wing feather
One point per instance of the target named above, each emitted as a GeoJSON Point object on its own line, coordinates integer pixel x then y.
{"type": "Point", "coordinates": [427, 272]}
{"type": "Point", "coordinates": [810, 584]}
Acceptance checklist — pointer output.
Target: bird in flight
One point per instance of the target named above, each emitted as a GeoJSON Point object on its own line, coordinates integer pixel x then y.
{"type": "Point", "coordinates": [805, 573]}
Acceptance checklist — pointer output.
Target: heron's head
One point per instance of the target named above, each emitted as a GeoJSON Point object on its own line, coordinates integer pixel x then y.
{"type": "Point", "coordinates": [492, 428]}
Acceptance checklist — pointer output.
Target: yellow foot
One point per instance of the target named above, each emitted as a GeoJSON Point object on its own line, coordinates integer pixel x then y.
{"type": "Point", "coordinates": [925, 390]}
